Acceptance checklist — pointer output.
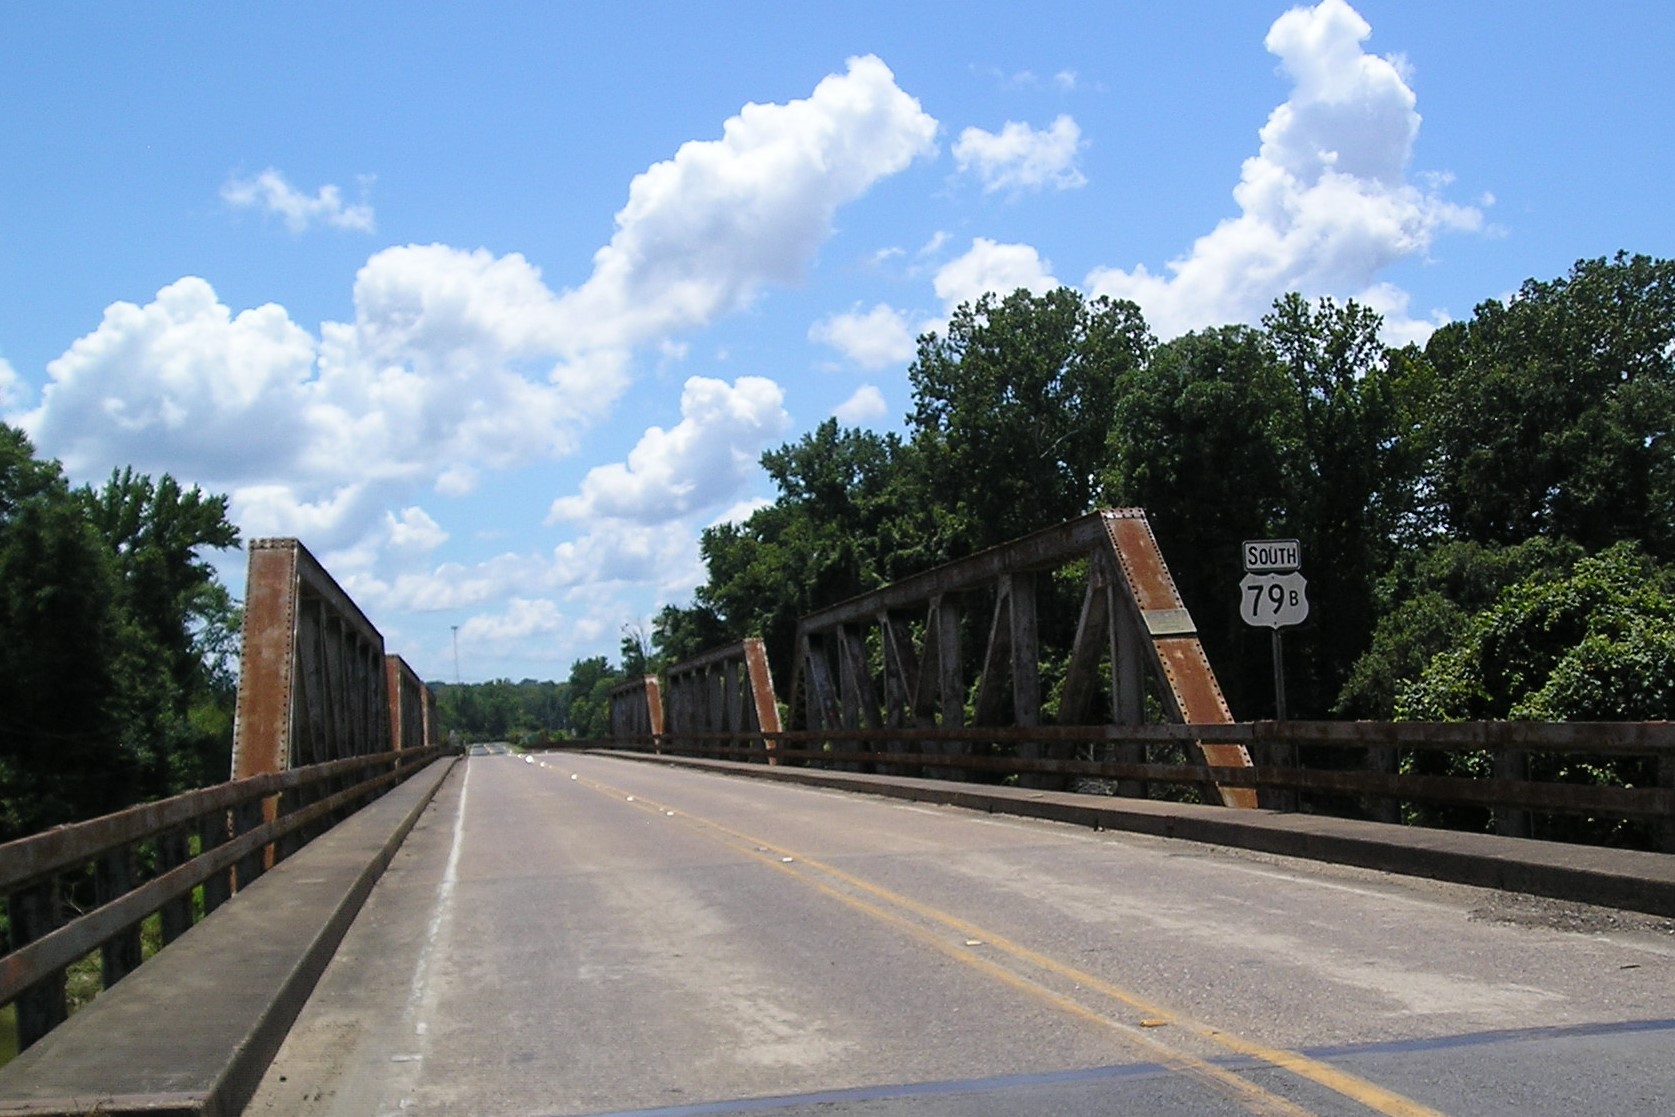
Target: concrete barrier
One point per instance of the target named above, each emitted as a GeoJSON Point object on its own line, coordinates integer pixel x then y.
{"type": "Point", "coordinates": [192, 1031]}
{"type": "Point", "coordinates": [1628, 879]}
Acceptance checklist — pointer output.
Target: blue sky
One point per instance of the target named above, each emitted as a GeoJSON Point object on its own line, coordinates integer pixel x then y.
{"type": "Point", "coordinates": [496, 307]}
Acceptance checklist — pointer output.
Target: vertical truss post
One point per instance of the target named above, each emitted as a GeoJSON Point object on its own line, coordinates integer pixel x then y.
{"type": "Point", "coordinates": [309, 690]}
{"type": "Point", "coordinates": [408, 697]}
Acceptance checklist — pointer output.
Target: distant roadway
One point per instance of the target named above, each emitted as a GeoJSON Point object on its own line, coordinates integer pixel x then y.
{"type": "Point", "coordinates": [570, 934]}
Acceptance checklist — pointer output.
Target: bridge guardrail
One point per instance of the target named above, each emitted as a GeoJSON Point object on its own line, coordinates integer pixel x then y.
{"type": "Point", "coordinates": [172, 857]}
{"type": "Point", "coordinates": [1316, 760]}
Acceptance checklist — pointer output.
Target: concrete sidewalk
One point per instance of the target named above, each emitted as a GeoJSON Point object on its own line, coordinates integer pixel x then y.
{"type": "Point", "coordinates": [192, 1030]}
{"type": "Point", "coordinates": [1628, 879]}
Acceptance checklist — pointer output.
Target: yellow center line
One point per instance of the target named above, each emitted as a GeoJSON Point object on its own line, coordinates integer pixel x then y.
{"type": "Point", "coordinates": [1351, 1086]}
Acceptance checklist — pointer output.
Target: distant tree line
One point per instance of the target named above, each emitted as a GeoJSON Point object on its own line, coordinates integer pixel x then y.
{"type": "Point", "coordinates": [1487, 521]}
{"type": "Point", "coordinates": [531, 711]}
{"type": "Point", "coordinates": [117, 642]}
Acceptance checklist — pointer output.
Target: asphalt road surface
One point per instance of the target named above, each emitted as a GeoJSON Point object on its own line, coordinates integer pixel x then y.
{"type": "Point", "coordinates": [584, 935]}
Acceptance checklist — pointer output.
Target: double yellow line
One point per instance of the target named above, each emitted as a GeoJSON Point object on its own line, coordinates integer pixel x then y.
{"type": "Point", "coordinates": [957, 938]}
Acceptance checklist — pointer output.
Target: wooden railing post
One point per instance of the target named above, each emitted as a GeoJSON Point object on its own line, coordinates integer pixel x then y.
{"type": "Point", "coordinates": [35, 912]}
{"type": "Point", "coordinates": [214, 830]}
{"type": "Point", "coordinates": [246, 817]}
{"type": "Point", "coordinates": [1512, 764]}
{"type": "Point", "coordinates": [113, 877]}
{"type": "Point", "coordinates": [1382, 760]}
{"type": "Point", "coordinates": [1663, 829]}
{"type": "Point", "coordinates": [173, 849]}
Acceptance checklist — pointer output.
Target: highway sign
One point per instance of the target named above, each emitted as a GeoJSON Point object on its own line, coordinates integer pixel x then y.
{"type": "Point", "coordinates": [1272, 556]}
{"type": "Point", "coordinates": [1274, 600]}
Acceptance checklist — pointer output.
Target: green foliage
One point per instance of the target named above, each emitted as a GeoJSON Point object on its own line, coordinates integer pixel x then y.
{"type": "Point", "coordinates": [1012, 408]}
{"type": "Point", "coordinates": [823, 540]}
{"type": "Point", "coordinates": [501, 710]}
{"type": "Point", "coordinates": [63, 752]}
{"type": "Point", "coordinates": [1190, 442]}
{"type": "Point", "coordinates": [1595, 643]}
{"type": "Point", "coordinates": [1422, 484]}
{"type": "Point", "coordinates": [1302, 429]}
{"type": "Point", "coordinates": [115, 641]}
{"type": "Point", "coordinates": [680, 633]}
{"type": "Point", "coordinates": [1427, 600]}
{"type": "Point", "coordinates": [1553, 411]}
{"type": "Point", "coordinates": [590, 686]}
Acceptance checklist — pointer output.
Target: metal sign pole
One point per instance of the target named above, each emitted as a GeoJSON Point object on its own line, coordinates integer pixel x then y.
{"type": "Point", "coordinates": [1279, 678]}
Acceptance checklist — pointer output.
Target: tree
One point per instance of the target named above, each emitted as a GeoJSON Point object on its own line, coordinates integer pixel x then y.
{"type": "Point", "coordinates": [63, 752]}
{"type": "Point", "coordinates": [679, 633]}
{"type": "Point", "coordinates": [1351, 462]}
{"type": "Point", "coordinates": [1591, 644]}
{"type": "Point", "coordinates": [1554, 410]}
{"type": "Point", "coordinates": [1427, 600]}
{"type": "Point", "coordinates": [1300, 429]}
{"type": "Point", "coordinates": [1012, 407]}
{"type": "Point", "coordinates": [115, 641]}
{"type": "Point", "coordinates": [638, 657]}
{"type": "Point", "coordinates": [180, 623]}
{"type": "Point", "coordinates": [1191, 442]}
{"type": "Point", "coordinates": [828, 536]}
{"type": "Point", "coordinates": [590, 686]}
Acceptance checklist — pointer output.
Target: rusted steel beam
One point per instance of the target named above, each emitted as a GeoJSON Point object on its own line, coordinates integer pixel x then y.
{"type": "Point", "coordinates": [762, 697]}
{"type": "Point", "coordinates": [1042, 550]}
{"type": "Point", "coordinates": [1191, 691]}
{"type": "Point", "coordinates": [312, 686]}
{"type": "Point", "coordinates": [408, 697]}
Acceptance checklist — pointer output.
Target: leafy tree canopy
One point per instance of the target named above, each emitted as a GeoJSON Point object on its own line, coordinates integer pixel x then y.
{"type": "Point", "coordinates": [115, 638]}
{"type": "Point", "coordinates": [1592, 644]}
{"type": "Point", "coordinates": [1553, 411]}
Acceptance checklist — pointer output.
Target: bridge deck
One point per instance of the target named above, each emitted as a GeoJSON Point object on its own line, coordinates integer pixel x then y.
{"type": "Point", "coordinates": [588, 935]}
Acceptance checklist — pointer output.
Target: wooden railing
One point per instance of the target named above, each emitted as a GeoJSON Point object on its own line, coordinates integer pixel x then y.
{"type": "Point", "coordinates": [90, 886]}
{"type": "Point", "coordinates": [1511, 777]}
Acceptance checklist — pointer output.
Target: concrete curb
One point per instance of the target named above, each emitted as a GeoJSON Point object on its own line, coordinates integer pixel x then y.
{"type": "Point", "coordinates": [1628, 879]}
{"type": "Point", "coordinates": [193, 1030]}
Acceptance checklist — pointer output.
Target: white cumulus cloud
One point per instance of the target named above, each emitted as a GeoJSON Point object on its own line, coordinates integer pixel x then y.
{"type": "Point", "coordinates": [272, 193]}
{"type": "Point", "coordinates": [1020, 157]}
{"type": "Point", "coordinates": [698, 463]}
{"type": "Point", "coordinates": [880, 337]}
{"type": "Point", "coordinates": [703, 231]}
{"type": "Point", "coordinates": [182, 384]}
{"type": "Point", "coordinates": [865, 405]}
{"type": "Point", "coordinates": [414, 530]}
{"type": "Point", "coordinates": [1324, 205]}
{"type": "Point", "coordinates": [457, 363]}
{"type": "Point", "coordinates": [988, 266]}
{"type": "Point", "coordinates": [521, 618]}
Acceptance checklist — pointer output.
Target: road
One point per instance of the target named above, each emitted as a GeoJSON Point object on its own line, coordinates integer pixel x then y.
{"type": "Point", "coordinates": [586, 935]}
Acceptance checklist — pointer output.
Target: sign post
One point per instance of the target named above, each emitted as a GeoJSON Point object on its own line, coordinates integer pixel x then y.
{"type": "Point", "coordinates": [1273, 595]}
